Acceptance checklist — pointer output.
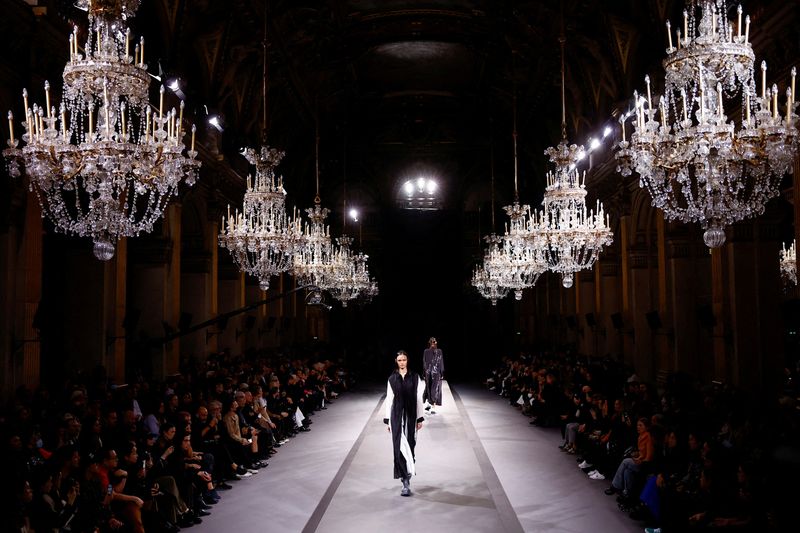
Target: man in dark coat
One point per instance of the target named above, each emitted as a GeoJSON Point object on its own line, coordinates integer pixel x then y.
{"type": "Point", "coordinates": [404, 391]}
{"type": "Point", "coordinates": [433, 364]}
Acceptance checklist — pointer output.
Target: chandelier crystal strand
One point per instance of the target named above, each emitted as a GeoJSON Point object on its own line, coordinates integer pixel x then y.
{"type": "Point", "coordinates": [569, 237]}
{"type": "Point", "coordinates": [697, 164]}
{"type": "Point", "coordinates": [263, 238]}
{"type": "Point", "coordinates": [104, 164]}
{"type": "Point", "coordinates": [788, 263]}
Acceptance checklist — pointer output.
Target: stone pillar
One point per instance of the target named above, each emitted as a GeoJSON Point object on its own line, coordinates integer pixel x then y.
{"type": "Point", "coordinates": [114, 305]}
{"type": "Point", "coordinates": [585, 304]}
{"type": "Point", "coordinates": [720, 308]}
{"type": "Point", "coordinates": [21, 286]}
{"type": "Point", "coordinates": [172, 281]}
{"type": "Point", "coordinates": [625, 288]}
{"type": "Point", "coordinates": [610, 302]}
{"type": "Point", "coordinates": [643, 356]}
{"type": "Point", "coordinates": [685, 278]}
{"type": "Point", "coordinates": [754, 288]}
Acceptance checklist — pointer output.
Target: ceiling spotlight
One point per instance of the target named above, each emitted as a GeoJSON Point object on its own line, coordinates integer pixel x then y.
{"type": "Point", "coordinates": [409, 188]}
{"type": "Point", "coordinates": [431, 186]}
{"type": "Point", "coordinates": [354, 214]}
{"type": "Point", "coordinates": [594, 144]}
{"type": "Point", "coordinates": [214, 121]}
{"type": "Point", "coordinates": [421, 184]}
{"type": "Point", "coordinates": [607, 131]}
{"type": "Point", "coordinates": [174, 85]}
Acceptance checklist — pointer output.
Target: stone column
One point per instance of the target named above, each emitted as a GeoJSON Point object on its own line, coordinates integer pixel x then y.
{"type": "Point", "coordinates": [115, 274]}
{"type": "Point", "coordinates": [172, 293]}
{"type": "Point", "coordinates": [685, 279]}
{"type": "Point", "coordinates": [754, 288]}
{"type": "Point", "coordinates": [610, 294]}
{"type": "Point", "coordinates": [585, 304]}
{"type": "Point", "coordinates": [643, 356]}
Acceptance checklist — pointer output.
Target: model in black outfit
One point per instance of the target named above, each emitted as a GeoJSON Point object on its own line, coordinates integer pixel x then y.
{"type": "Point", "coordinates": [404, 412]}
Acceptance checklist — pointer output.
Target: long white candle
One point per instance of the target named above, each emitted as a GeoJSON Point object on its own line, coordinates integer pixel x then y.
{"type": "Point", "coordinates": [719, 100]}
{"type": "Point", "coordinates": [774, 101]}
{"type": "Point", "coordinates": [794, 75]}
{"type": "Point", "coordinates": [739, 23]}
{"type": "Point", "coordinates": [669, 35]}
{"type": "Point", "coordinates": [763, 79]}
{"type": "Point", "coordinates": [194, 129]}
{"type": "Point", "coordinates": [788, 106]}
{"type": "Point", "coordinates": [11, 125]}
{"type": "Point", "coordinates": [161, 104]}
{"type": "Point", "coordinates": [649, 99]}
{"type": "Point", "coordinates": [686, 25]}
{"type": "Point", "coordinates": [63, 110]}
{"type": "Point", "coordinates": [747, 29]}
{"type": "Point", "coordinates": [747, 107]}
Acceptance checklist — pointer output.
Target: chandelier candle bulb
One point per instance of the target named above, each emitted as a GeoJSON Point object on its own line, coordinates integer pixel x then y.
{"type": "Point", "coordinates": [147, 125]}
{"type": "Point", "coordinates": [194, 128]}
{"type": "Point", "coordinates": [739, 23]}
{"type": "Point", "coordinates": [63, 111]}
{"type": "Point", "coordinates": [25, 98]}
{"type": "Point", "coordinates": [141, 51]}
{"type": "Point", "coordinates": [669, 35]}
{"type": "Point", "coordinates": [788, 107]}
{"type": "Point", "coordinates": [679, 39]}
{"type": "Point", "coordinates": [663, 115]}
{"type": "Point", "coordinates": [794, 75]}
{"type": "Point", "coordinates": [180, 120]}
{"type": "Point", "coordinates": [747, 107]}
{"type": "Point", "coordinates": [649, 98]}
{"type": "Point", "coordinates": [71, 50]}
{"type": "Point", "coordinates": [774, 101]}
{"type": "Point", "coordinates": [622, 123]}
{"type": "Point", "coordinates": [161, 104]}
{"type": "Point", "coordinates": [11, 126]}
{"type": "Point", "coordinates": [47, 97]}
{"type": "Point", "coordinates": [127, 44]}
{"type": "Point", "coordinates": [719, 103]}
{"type": "Point", "coordinates": [747, 29]}
{"type": "Point", "coordinates": [122, 118]}
{"type": "Point", "coordinates": [136, 55]}
{"type": "Point", "coordinates": [763, 79]}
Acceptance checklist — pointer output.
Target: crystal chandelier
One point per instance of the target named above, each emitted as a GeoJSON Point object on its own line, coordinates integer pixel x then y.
{"type": "Point", "coordinates": [788, 263]}
{"type": "Point", "coordinates": [697, 164]}
{"type": "Point", "coordinates": [518, 264]}
{"type": "Point", "coordinates": [105, 163]}
{"type": "Point", "coordinates": [350, 273]}
{"type": "Point", "coordinates": [515, 263]}
{"type": "Point", "coordinates": [313, 263]}
{"type": "Point", "coordinates": [263, 238]}
{"type": "Point", "coordinates": [569, 238]}
{"type": "Point", "coordinates": [489, 286]}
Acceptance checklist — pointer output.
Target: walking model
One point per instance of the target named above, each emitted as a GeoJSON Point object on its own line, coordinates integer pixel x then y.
{"type": "Point", "coordinates": [433, 363]}
{"type": "Point", "coordinates": [404, 411]}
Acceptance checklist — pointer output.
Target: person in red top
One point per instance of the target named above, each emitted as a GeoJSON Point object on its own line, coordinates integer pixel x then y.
{"type": "Point", "coordinates": [625, 478]}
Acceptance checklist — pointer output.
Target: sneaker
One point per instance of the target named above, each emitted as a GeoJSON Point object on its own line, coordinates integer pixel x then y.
{"type": "Point", "coordinates": [585, 464]}
{"type": "Point", "coordinates": [252, 471]}
{"type": "Point", "coordinates": [247, 474]}
{"type": "Point", "coordinates": [652, 530]}
{"type": "Point", "coordinates": [597, 475]}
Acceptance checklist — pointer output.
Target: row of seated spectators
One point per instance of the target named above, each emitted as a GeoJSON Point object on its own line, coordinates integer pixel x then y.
{"type": "Point", "coordinates": [690, 458]}
{"type": "Point", "coordinates": [152, 456]}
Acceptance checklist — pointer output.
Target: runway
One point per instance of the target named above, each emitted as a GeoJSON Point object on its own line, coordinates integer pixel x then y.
{"type": "Point", "coordinates": [480, 467]}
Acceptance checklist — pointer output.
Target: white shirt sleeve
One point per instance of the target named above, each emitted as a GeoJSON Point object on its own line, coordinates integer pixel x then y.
{"type": "Point", "coordinates": [389, 401]}
{"type": "Point", "coordinates": [420, 401]}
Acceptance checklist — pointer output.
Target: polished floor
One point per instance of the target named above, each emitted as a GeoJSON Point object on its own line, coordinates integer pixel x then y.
{"type": "Point", "coordinates": [480, 467]}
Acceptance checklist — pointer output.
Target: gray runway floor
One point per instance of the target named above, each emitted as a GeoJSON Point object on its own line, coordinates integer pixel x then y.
{"type": "Point", "coordinates": [480, 468]}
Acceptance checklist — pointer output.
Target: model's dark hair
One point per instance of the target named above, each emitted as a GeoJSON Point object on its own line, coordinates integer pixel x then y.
{"type": "Point", "coordinates": [399, 353]}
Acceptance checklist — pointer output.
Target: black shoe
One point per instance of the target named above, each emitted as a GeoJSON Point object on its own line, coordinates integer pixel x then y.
{"type": "Point", "coordinates": [223, 486]}
{"type": "Point", "coordinates": [610, 491]}
{"type": "Point", "coordinates": [169, 527]}
{"type": "Point", "coordinates": [201, 512]}
{"type": "Point", "coordinates": [234, 477]}
{"type": "Point", "coordinates": [185, 520]}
